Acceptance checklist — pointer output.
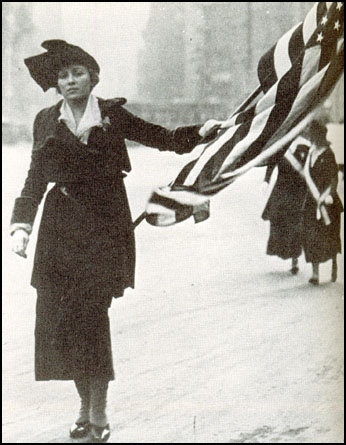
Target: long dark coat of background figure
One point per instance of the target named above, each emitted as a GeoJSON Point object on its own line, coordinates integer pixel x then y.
{"type": "Point", "coordinates": [322, 242]}
{"type": "Point", "coordinates": [284, 210]}
{"type": "Point", "coordinates": [85, 252]}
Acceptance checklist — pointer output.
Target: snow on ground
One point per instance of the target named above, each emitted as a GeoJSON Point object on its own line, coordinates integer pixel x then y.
{"type": "Point", "coordinates": [218, 343]}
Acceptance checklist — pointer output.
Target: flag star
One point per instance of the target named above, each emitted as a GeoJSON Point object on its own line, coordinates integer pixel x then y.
{"type": "Point", "coordinates": [324, 20]}
{"type": "Point", "coordinates": [337, 25]}
{"type": "Point", "coordinates": [339, 6]}
{"type": "Point", "coordinates": [320, 37]}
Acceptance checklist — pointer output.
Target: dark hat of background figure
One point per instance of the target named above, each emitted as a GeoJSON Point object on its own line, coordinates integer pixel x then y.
{"type": "Point", "coordinates": [318, 133]}
{"type": "Point", "coordinates": [44, 68]}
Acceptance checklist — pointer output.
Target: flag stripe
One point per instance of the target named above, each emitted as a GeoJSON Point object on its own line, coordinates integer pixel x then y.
{"type": "Point", "coordinates": [282, 57]}
{"type": "Point", "coordinates": [266, 72]}
{"type": "Point", "coordinates": [295, 75]}
{"type": "Point", "coordinates": [229, 177]}
{"type": "Point", "coordinates": [311, 21]}
{"type": "Point", "coordinates": [214, 165]}
{"type": "Point", "coordinates": [168, 202]}
{"type": "Point", "coordinates": [208, 153]}
{"type": "Point", "coordinates": [264, 124]}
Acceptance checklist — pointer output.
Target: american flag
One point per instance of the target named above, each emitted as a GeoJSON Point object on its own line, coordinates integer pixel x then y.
{"type": "Point", "coordinates": [295, 76]}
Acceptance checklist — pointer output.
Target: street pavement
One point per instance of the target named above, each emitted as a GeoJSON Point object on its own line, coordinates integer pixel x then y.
{"type": "Point", "coordinates": [218, 343]}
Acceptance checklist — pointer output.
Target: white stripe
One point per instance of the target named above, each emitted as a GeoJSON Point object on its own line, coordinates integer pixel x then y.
{"type": "Point", "coordinates": [301, 101]}
{"type": "Point", "coordinates": [163, 216]}
{"type": "Point", "coordinates": [282, 60]}
{"type": "Point", "coordinates": [340, 45]}
{"type": "Point", "coordinates": [329, 4]}
{"type": "Point", "coordinates": [208, 153]}
{"type": "Point", "coordinates": [229, 177]}
{"type": "Point", "coordinates": [310, 64]}
{"type": "Point", "coordinates": [310, 24]}
{"type": "Point", "coordinates": [258, 125]}
{"type": "Point", "coordinates": [268, 99]}
{"type": "Point", "coordinates": [260, 121]}
{"type": "Point", "coordinates": [182, 197]}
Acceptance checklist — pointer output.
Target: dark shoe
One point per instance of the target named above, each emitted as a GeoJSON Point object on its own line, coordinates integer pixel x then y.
{"type": "Point", "coordinates": [79, 430]}
{"type": "Point", "coordinates": [314, 281]}
{"type": "Point", "coordinates": [100, 433]}
{"type": "Point", "coordinates": [294, 270]}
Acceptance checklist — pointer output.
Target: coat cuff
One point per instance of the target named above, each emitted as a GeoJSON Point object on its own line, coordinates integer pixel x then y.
{"type": "Point", "coordinates": [186, 138]}
{"type": "Point", "coordinates": [24, 211]}
{"type": "Point", "coordinates": [20, 226]}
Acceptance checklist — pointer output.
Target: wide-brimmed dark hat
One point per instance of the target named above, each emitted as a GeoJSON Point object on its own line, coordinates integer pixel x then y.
{"type": "Point", "coordinates": [44, 67]}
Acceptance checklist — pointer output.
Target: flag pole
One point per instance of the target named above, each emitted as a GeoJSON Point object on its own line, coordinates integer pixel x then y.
{"type": "Point", "coordinates": [139, 219]}
{"type": "Point", "coordinates": [248, 101]}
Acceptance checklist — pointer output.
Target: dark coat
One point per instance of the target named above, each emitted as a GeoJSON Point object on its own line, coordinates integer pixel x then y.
{"type": "Point", "coordinates": [86, 238]}
{"type": "Point", "coordinates": [284, 211]}
{"type": "Point", "coordinates": [85, 252]}
{"type": "Point", "coordinates": [322, 242]}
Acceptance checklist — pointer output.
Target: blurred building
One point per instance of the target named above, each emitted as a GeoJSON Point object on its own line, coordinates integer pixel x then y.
{"type": "Point", "coordinates": [17, 26]}
{"type": "Point", "coordinates": [20, 100]}
{"type": "Point", "coordinates": [207, 52]}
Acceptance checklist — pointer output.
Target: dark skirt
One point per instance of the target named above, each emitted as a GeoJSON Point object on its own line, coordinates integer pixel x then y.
{"type": "Point", "coordinates": [72, 335]}
{"type": "Point", "coordinates": [321, 242]}
{"type": "Point", "coordinates": [285, 237]}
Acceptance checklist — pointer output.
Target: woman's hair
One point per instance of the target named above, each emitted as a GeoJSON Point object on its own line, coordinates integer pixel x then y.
{"type": "Point", "coordinates": [94, 77]}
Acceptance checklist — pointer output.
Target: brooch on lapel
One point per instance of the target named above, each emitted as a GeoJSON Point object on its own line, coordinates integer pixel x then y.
{"type": "Point", "coordinates": [106, 123]}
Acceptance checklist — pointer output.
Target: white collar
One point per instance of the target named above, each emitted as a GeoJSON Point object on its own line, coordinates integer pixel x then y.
{"type": "Point", "coordinates": [91, 118]}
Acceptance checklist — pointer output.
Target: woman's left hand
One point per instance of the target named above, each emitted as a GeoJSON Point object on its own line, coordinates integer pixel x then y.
{"type": "Point", "coordinates": [209, 127]}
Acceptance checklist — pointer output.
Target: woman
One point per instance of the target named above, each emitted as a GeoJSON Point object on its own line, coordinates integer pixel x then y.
{"type": "Point", "coordinates": [85, 253]}
{"type": "Point", "coordinates": [321, 236]}
{"type": "Point", "coordinates": [294, 214]}
{"type": "Point", "coordinates": [284, 210]}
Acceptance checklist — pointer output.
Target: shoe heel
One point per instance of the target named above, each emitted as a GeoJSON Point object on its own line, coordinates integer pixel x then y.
{"type": "Point", "coordinates": [100, 434]}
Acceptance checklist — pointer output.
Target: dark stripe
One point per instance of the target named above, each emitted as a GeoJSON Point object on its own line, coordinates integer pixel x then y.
{"type": "Point", "coordinates": [245, 116]}
{"type": "Point", "coordinates": [329, 42]}
{"type": "Point", "coordinates": [331, 76]}
{"type": "Point", "coordinates": [287, 91]}
{"type": "Point", "coordinates": [296, 45]}
{"type": "Point", "coordinates": [215, 163]}
{"type": "Point", "coordinates": [321, 11]}
{"type": "Point", "coordinates": [180, 179]}
{"type": "Point", "coordinates": [266, 70]}
{"type": "Point", "coordinates": [168, 203]}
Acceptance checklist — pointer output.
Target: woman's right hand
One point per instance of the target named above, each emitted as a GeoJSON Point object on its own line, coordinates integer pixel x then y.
{"type": "Point", "coordinates": [20, 240]}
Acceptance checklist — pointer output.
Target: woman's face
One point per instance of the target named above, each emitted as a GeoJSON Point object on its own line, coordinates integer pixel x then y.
{"type": "Point", "coordinates": [74, 82]}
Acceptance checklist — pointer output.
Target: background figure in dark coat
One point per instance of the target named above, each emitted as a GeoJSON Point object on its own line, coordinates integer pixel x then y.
{"type": "Point", "coordinates": [293, 212]}
{"type": "Point", "coordinates": [321, 241]}
{"type": "Point", "coordinates": [284, 210]}
{"type": "Point", "coordinates": [85, 253]}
